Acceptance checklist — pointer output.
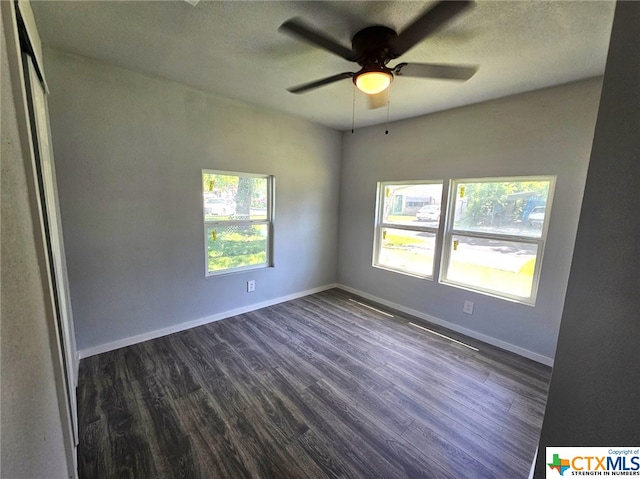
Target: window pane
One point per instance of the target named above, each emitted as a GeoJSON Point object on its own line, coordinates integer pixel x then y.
{"type": "Point", "coordinates": [493, 265]}
{"type": "Point", "coordinates": [502, 207]}
{"type": "Point", "coordinates": [233, 197]}
{"type": "Point", "coordinates": [414, 204]}
{"type": "Point", "coordinates": [236, 246]}
{"type": "Point", "coordinates": [408, 251]}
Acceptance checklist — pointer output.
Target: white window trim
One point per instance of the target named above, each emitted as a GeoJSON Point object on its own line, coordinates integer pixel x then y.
{"type": "Point", "coordinates": [450, 231]}
{"type": "Point", "coordinates": [268, 222]}
{"type": "Point", "coordinates": [380, 225]}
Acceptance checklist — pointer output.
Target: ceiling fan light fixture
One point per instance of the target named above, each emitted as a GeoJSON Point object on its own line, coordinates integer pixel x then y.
{"type": "Point", "coordinates": [373, 82]}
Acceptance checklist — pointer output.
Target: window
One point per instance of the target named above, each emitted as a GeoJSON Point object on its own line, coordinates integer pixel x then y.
{"type": "Point", "coordinates": [407, 226]}
{"type": "Point", "coordinates": [237, 212]}
{"type": "Point", "coordinates": [493, 238]}
{"type": "Point", "coordinates": [495, 235]}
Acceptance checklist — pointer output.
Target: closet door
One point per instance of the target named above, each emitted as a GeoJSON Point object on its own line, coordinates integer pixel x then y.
{"type": "Point", "coordinates": [47, 185]}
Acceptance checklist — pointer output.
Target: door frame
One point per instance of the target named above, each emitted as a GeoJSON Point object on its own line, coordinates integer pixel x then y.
{"type": "Point", "coordinates": [18, 40]}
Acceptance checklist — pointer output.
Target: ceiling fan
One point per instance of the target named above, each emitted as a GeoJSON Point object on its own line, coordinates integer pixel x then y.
{"type": "Point", "coordinates": [374, 47]}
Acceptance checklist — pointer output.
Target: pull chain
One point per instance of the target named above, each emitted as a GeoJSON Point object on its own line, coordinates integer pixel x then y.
{"type": "Point", "coordinates": [353, 111]}
{"type": "Point", "coordinates": [386, 132]}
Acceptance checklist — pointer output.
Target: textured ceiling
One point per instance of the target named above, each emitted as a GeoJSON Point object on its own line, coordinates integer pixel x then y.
{"type": "Point", "coordinates": [234, 49]}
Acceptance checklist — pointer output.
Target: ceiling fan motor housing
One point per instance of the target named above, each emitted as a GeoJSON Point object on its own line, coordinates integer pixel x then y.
{"type": "Point", "coordinates": [371, 44]}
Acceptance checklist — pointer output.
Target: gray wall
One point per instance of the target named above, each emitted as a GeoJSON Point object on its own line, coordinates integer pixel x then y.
{"type": "Point", "coordinates": [31, 438]}
{"type": "Point", "coordinates": [547, 132]}
{"type": "Point", "coordinates": [129, 151]}
{"type": "Point", "coordinates": [594, 398]}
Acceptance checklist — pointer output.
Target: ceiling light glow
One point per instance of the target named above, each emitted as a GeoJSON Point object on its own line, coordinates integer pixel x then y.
{"type": "Point", "coordinates": [373, 82]}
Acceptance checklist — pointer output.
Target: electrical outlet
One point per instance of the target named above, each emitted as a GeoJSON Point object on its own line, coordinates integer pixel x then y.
{"type": "Point", "coordinates": [251, 286]}
{"type": "Point", "coordinates": [468, 307]}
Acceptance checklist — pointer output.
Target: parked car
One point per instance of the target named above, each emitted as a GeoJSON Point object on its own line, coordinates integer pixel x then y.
{"type": "Point", "coordinates": [219, 207]}
{"type": "Point", "coordinates": [536, 217]}
{"type": "Point", "coordinates": [429, 213]}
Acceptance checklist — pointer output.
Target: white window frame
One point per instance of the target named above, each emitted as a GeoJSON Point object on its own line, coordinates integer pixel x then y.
{"type": "Point", "coordinates": [380, 225]}
{"type": "Point", "coordinates": [450, 232]}
{"type": "Point", "coordinates": [241, 222]}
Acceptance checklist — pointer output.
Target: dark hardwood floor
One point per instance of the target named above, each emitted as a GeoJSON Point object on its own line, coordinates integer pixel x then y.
{"type": "Point", "coordinates": [312, 388]}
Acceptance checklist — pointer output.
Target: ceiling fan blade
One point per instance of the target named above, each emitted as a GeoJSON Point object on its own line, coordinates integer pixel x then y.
{"type": "Point", "coordinates": [318, 83]}
{"type": "Point", "coordinates": [427, 23]}
{"type": "Point", "coordinates": [309, 35]}
{"type": "Point", "coordinates": [378, 100]}
{"type": "Point", "coordinates": [433, 70]}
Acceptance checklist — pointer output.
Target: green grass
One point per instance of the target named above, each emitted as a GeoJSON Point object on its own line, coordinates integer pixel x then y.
{"type": "Point", "coordinates": [236, 249]}
{"type": "Point", "coordinates": [228, 262]}
{"type": "Point", "coordinates": [400, 218]}
{"type": "Point", "coordinates": [509, 282]}
{"type": "Point", "coordinates": [405, 253]}
{"type": "Point", "coordinates": [396, 253]}
{"type": "Point", "coordinates": [391, 240]}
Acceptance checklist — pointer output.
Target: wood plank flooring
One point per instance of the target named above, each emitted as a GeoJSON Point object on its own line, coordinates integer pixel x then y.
{"type": "Point", "coordinates": [318, 387]}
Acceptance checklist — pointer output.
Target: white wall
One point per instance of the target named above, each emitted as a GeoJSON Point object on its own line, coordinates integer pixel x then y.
{"type": "Point", "coordinates": [594, 395]}
{"type": "Point", "coordinates": [129, 152]}
{"type": "Point", "coordinates": [31, 432]}
{"type": "Point", "coordinates": [547, 132]}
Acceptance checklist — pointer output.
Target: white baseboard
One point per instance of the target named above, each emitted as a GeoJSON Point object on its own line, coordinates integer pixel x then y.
{"type": "Point", "coordinates": [455, 327]}
{"type": "Point", "coordinates": [121, 343]}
